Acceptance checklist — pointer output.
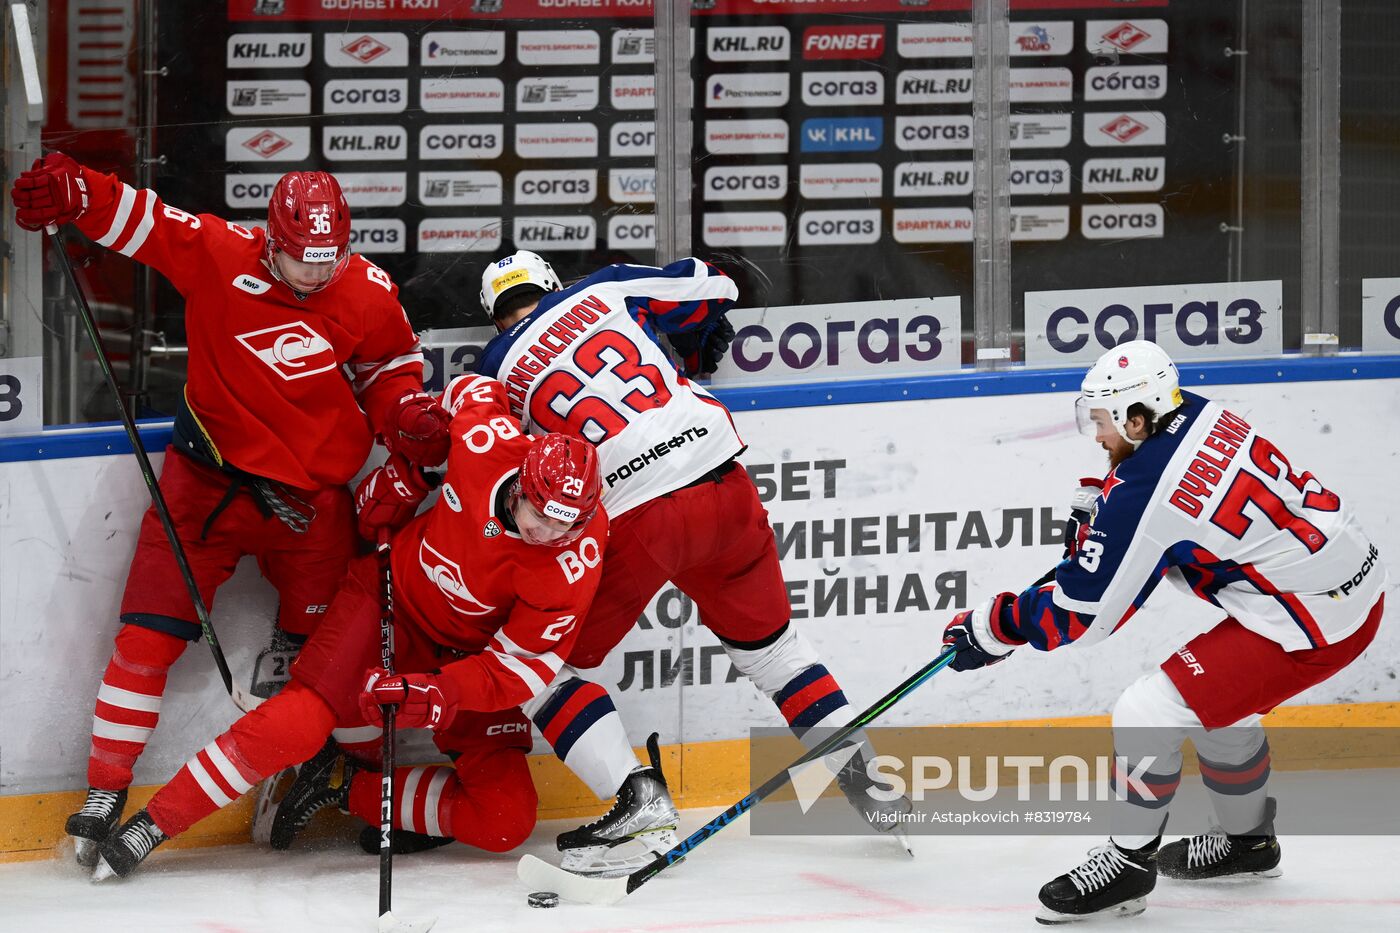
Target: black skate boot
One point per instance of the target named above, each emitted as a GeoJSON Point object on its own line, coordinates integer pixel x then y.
{"type": "Point", "coordinates": [91, 825]}
{"type": "Point", "coordinates": [1114, 882]}
{"type": "Point", "coordinates": [401, 841]}
{"type": "Point", "coordinates": [885, 816]}
{"type": "Point", "coordinates": [322, 782]}
{"type": "Point", "coordinates": [643, 814]}
{"type": "Point", "coordinates": [1217, 854]}
{"type": "Point", "coordinates": [128, 847]}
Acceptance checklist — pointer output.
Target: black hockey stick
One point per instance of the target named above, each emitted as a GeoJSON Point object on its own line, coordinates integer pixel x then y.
{"type": "Point", "coordinates": [540, 875]}
{"type": "Point", "coordinates": [387, 922]}
{"type": "Point", "coordinates": [245, 700]}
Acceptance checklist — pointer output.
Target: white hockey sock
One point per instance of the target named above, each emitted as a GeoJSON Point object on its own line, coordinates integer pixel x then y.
{"type": "Point", "coordinates": [578, 719]}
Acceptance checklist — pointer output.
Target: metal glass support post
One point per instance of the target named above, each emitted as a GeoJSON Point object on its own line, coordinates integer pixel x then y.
{"type": "Point", "coordinates": [21, 318]}
{"type": "Point", "coordinates": [673, 130]}
{"type": "Point", "coordinates": [991, 183]}
{"type": "Point", "coordinates": [1322, 170]}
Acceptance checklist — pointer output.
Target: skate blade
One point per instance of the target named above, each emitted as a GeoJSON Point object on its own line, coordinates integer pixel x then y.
{"type": "Point", "coordinates": [901, 839]}
{"type": "Point", "coordinates": [619, 860]}
{"type": "Point", "coordinates": [85, 851]}
{"type": "Point", "coordinates": [1126, 909]}
{"type": "Point", "coordinates": [102, 872]}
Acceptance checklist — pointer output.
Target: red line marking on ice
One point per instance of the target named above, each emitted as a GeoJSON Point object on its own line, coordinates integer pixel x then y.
{"type": "Point", "coordinates": [893, 903]}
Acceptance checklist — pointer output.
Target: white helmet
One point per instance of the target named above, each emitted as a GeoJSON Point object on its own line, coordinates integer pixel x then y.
{"type": "Point", "coordinates": [1136, 372]}
{"type": "Point", "coordinates": [521, 268]}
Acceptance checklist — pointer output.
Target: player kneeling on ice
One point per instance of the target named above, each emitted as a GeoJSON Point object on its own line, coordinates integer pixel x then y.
{"type": "Point", "coordinates": [488, 588]}
{"type": "Point", "coordinates": [270, 429]}
{"type": "Point", "coordinates": [1194, 493]}
{"type": "Point", "coordinates": [586, 361]}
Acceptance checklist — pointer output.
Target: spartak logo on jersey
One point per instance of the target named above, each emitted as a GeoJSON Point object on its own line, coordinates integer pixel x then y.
{"type": "Point", "coordinates": [294, 350]}
{"type": "Point", "coordinates": [365, 48]}
{"type": "Point", "coordinates": [447, 575]}
{"type": "Point", "coordinates": [1126, 35]}
{"type": "Point", "coordinates": [1123, 128]}
{"type": "Point", "coordinates": [267, 144]}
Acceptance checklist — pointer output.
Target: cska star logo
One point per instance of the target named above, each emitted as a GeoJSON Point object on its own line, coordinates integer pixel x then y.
{"type": "Point", "coordinates": [492, 529]}
{"type": "Point", "coordinates": [293, 351]}
{"type": "Point", "coordinates": [1109, 483]}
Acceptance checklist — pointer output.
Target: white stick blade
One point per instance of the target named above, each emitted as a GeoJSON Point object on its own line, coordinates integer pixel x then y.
{"type": "Point", "coordinates": [539, 875]}
{"type": "Point", "coordinates": [388, 923]}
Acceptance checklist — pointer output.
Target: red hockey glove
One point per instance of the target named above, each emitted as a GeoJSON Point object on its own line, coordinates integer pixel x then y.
{"type": "Point", "coordinates": [971, 634]}
{"type": "Point", "coordinates": [1080, 511]}
{"type": "Point", "coordinates": [51, 192]}
{"type": "Point", "coordinates": [388, 497]}
{"type": "Point", "coordinates": [424, 701]}
{"type": "Point", "coordinates": [418, 429]}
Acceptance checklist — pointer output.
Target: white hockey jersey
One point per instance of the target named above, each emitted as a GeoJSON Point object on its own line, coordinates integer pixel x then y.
{"type": "Point", "coordinates": [1211, 499]}
{"type": "Point", "coordinates": [586, 362]}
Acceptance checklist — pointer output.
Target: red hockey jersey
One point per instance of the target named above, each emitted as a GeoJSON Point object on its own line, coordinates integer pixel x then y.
{"type": "Point", "coordinates": [469, 583]}
{"type": "Point", "coordinates": [267, 372]}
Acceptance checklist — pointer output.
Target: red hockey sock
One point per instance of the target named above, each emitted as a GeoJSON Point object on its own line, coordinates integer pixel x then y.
{"type": "Point", "coordinates": [497, 813]}
{"type": "Point", "coordinates": [286, 730]}
{"type": "Point", "coordinates": [128, 703]}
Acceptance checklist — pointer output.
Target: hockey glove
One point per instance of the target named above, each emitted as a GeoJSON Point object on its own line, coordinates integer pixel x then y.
{"type": "Point", "coordinates": [702, 349]}
{"type": "Point", "coordinates": [51, 192]}
{"type": "Point", "coordinates": [418, 429]}
{"type": "Point", "coordinates": [389, 497]}
{"type": "Point", "coordinates": [424, 701]}
{"type": "Point", "coordinates": [971, 635]}
{"type": "Point", "coordinates": [1080, 510]}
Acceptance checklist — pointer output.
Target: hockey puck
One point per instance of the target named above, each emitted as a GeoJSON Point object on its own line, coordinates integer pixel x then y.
{"type": "Point", "coordinates": [543, 899]}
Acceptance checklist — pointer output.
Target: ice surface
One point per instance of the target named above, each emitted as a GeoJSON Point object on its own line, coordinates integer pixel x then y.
{"type": "Point", "coordinates": [733, 882]}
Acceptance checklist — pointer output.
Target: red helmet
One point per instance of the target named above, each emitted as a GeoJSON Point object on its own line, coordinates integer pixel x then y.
{"type": "Point", "coordinates": [560, 478]}
{"type": "Point", "coordinates": [309, 221]}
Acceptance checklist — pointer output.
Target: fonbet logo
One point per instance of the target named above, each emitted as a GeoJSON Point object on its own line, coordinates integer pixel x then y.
{"type": "Point", "coordinates": [769, 89]}
{"type": "Point", "coordinates": [748, 44]}
{"type": "Point", "coordinates": [259, 144]}
{"type": "Point", "coordinates": [446, 575]}
{"type": "Point", "coordinates": [574, 186]}
{"type": "Point", "coordinates": [746, 183]}
{"type": "Point", "coordinates": [455, 49]}
{"type": "Point", "coordinates": [292, 351]}
{"type": "Point", "coordinates": [816, 228]}
{"type": "Point", "coordinates": [269, 50]}
{"type": "Point", "coordinates": [455, 141]}
{"type": "Point", "coordinates": [362, 143]}
{"type": "Point", "coordinates": [843, 42]}
{"type": "Point", "coordinates": [362, 96]}
{"type": "Point", "coordinates": [842, 88]}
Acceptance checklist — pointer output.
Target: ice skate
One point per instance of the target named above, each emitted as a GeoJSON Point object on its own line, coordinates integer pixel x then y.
{"type": "Point", "coordinates": [1217, 854]}
{"type": "Point", "coordinates": [640, 826]}
{"type": "Point", "coordinates": [1114, 882]}
{"type": "Point", "coordinates": [319, 784]}
{"type": "Point", "coordinates": [884, 816]}
{"type": "Point", "coordinates": [91, 825]}
{"type": "Point", "coordinates": [128, 847]}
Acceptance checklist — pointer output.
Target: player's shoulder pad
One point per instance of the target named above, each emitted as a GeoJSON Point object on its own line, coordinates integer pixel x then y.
{"type": "Point", "coordinates": [369, 284]}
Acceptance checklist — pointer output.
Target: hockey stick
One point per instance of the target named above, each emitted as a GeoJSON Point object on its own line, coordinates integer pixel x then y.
{"type": "Point", "coordinates": [388, 923]}
{"type": "Point", "coordinates": [245, 700]}
{"type": "Point", "coordinates": [540, 875]}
